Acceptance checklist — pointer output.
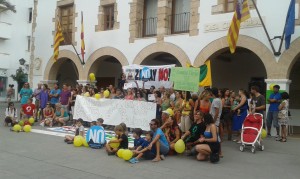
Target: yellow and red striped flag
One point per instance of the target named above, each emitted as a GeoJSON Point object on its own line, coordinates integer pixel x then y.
{"type": "Point", "coordinates": [82, 38]}
{"type": "Point", "coordinates": [241, 14]}
{"type": "Point", "coordinates": [58, 38]}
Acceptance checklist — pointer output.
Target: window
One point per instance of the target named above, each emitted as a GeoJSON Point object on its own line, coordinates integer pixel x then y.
{"type": "Point", "coordinates": [30, 15]}
{"type": "Point", "coordinates": [149, 22]}
{"type": "Point", "coordinates": [3, 81]}
{"type": "Point", "coordinates": [109, 18]}
{"type": "Point", "coordinates": [28, 43]}
{"type": "Point", "coordinates": [225, 6]}
{"type": "Point", "coordinates": [66, 19]}
{"type": "Point", "coordinates": [180, 18]}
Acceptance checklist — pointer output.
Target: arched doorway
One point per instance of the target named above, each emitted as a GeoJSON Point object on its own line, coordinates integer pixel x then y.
{"type": "Point", "coordinates": [161, 58]}
{"type": "Point", "coordinates": [162, 53]}
{"type": "Point", "coordinates": [295, 85]}
{"type": "Point", "coordinates": [107, 70]}
{"type": "Point", "coordinates": [64, 71]}
{"type": "Point", "coordinates": [239, 70]}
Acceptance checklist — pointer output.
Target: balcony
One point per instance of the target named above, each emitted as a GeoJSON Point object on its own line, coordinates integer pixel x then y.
{"type": "Point", "coordinates": [147, 27]}
{"type": "Point", "coordinates": [180, 23]}
{"type": "Point", "coordinates": [6, 30]}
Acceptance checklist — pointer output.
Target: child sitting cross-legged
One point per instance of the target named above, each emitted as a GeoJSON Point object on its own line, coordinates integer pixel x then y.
{"type": "Point", "coordinates": [122, 139]}
{"type": "Point", "coordinates": [142, 151]}
{"type": "Point", "coordinates": [137, 138]}
{"type": "Point", "coordinates": [79, 131]}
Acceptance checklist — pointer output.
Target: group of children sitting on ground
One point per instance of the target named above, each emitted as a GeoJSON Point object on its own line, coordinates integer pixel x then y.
{"type": "Point", "coordinates": [148, 149]}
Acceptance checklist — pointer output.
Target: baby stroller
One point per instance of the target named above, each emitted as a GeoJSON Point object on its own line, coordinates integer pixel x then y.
{"type": "Point", "coordinates": [251, 132]}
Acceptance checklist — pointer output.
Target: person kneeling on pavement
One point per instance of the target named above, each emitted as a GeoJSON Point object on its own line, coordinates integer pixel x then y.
{"type": "Point", "coordinates": [11, 115]}
{"type": "Point", "coordinates": [192, 136]}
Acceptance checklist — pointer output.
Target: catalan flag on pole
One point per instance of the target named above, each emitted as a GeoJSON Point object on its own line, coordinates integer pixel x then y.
{"type": "Point", "coordinates": [58, 38]}
{"type": "Point", "coordinates": [241, 14]}
{"type": "Point", "coordinates": [205, 74]}
{"type": "Point", "coordinates": [82, 38]}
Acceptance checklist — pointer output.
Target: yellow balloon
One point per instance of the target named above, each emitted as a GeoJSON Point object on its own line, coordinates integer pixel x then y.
{"type": "Point", "coordinates": [272, 86]}
{"type": "Point", "coordinates": [93, 79]}
{"type": "Point", "coordinates": [77, 141]}
{"type": "Point", "coordinates": [31, 120]}
{"type": "Point", "coordinates": [84, 142]}
{"type": "Point", "coordinates": [17, 128]}
{"type": "Point", "coordinates": [263, 134]}
{"type": "Point", "coordinates": [27, 128]}
{"type": "Point", "coordinates": [97, 96]}
{"type": "Point", "coordinates": [179, 146]}
{"type": "Point", "coordinates": [87, 94]}
{"type": "Point", "coordinates": [127, 154]}
{"type": "Point", "coordinates": [120, 153]}
{"type": "Point", "coordinates": [106, 93]}
{"type": "Point", "coordinates": [114, 145]}
{"type": "Point", "coordinates": [91, 75]}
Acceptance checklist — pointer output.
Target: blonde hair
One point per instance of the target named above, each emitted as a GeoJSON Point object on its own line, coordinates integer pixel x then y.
{"type": "Point", "coordinates": [58, 105]}
{"type": "Point", "coordinates": [118, 128]}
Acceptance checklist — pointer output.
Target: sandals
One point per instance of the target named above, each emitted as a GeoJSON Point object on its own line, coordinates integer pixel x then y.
{"type": "Point", "coordinates": [283, 140]}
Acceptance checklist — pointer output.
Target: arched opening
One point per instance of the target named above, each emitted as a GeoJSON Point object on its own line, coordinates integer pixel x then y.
{"type": "Point", "coordinates": [295, 85]}
{"type": "Point", "coordinates": [64, 71]}
{"type": "Point", "coordinates": [161, 58]}
{"type": "Point", "coordinates": [239, 70]}
{"type": "Point", "coordinates": [107, 70]}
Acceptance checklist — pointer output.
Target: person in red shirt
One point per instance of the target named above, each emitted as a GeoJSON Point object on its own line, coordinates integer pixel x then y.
{"type": "Point", "coordinates": [28, 109]}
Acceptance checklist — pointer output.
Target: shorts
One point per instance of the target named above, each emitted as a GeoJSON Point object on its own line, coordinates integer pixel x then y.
{"type": "Point", "coordinates": [149, 155]}
{"type": "Point", "coordinates": [66, 118]}
{"type": "Point", "coordinates": [214, 146]}
{"type": "Point", "coordinates": [164, 149]}
{"type": "Point", "coordinates": [272, 116]}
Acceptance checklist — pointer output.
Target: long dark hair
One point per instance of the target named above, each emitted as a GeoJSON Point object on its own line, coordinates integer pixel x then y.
{"type": "Point", "coordinates": [245, 93]}
{"type": "Point", "coordinates": [223, 91]}
{"type": "Point", "coordinates": [208, 119]}
{"type": "Point", "coordinates": [8, 107]}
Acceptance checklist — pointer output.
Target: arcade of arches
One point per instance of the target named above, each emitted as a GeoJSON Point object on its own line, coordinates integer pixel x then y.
{"type": "Point", "coordinates": [252, 63]}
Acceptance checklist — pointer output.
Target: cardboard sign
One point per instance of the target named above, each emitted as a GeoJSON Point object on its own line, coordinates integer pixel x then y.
{"type": "Point", "coordinates": [185, 79]}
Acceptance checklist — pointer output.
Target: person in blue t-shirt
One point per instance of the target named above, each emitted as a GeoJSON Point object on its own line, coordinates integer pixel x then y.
{"type": "Point", "coordinates": [159, 141]}
{"type": "Point", "coordinates": [142, 151]}
{"type": "Point", "coordinates": [272, 116]}
{"type": "Point", "coordinates": [54, 95]}
{"type": "Point", "coordinates": [136, 133]}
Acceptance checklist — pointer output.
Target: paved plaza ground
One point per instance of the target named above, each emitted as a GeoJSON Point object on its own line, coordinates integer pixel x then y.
{"type": "Point", "coordinates": [32, 155]}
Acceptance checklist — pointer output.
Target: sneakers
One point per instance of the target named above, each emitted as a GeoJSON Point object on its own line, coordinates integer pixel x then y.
{"type": "Point", "coordinates": [133, 160]}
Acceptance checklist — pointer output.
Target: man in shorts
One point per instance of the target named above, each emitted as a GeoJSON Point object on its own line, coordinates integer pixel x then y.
{"type": "Point", "coordinates": [272, 116]}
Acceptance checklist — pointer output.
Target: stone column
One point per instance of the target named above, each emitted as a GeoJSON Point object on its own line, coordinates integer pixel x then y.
{"type": "Point", "coordinates": [194, 17]}
{"type": "Point", "coordinates": [164, 10]}
{"type": "Point", "coordinates": [136, 15]}
{"type": "Point", "coordinates": [284, 86]}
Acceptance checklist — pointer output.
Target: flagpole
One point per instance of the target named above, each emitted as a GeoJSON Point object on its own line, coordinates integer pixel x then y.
{"type": "Point", "coordinates": [69, 39]}
{"type": "Point", "coordinates": [265, 29]}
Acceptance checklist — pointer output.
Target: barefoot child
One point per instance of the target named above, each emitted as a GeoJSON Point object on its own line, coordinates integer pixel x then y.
{"type": "Point", "coordinates": [143, 151]}
{"type": "Point", "coordinates": [122, 139]}
{"type": "Point", "coordinates": [79, 131]}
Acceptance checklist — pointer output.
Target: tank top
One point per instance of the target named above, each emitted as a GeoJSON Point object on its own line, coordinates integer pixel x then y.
{"type": "Point", "coordinates": [204, 108]}
{"type": "Point", "coordinates": [207, 135]}
{"type": "Point", "coordinates": [48, 112]}
{"type": "Point", "coordinates": [187, 105]}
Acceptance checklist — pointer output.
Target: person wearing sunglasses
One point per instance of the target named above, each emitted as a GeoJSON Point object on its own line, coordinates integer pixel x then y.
{"type": "Point", "coordinates": [159, 142]}
{"type": "Point", "coordinates": [48, 113]}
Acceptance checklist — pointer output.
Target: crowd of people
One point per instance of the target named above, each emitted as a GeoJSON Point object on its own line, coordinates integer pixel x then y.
{"type": "Point", "coordinates": [200, 120]}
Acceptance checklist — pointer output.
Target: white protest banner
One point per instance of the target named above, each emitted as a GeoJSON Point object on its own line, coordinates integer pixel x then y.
{"type": "Point", "coordinates": [135, 114]}
{"type": "Point", "coordinates": [152, 75]}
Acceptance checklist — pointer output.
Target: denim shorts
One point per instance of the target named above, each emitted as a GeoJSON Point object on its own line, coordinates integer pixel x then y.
{"type": "Point", "coordinates": [164, 149]}
{"type": "Point", "coordinates": [272, 116]}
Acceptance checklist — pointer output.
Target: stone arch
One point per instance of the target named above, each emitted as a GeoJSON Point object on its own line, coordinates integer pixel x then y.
{"type": "Point", "coordinates": [289, 58]}
{"type": "Point", "coordinates": [257, 47]}
{"type": "Point", "coordinates": [162, 47]}
{"type": "Point", "coordinates": [52, 67]}
{"type": "Point", "coordinates": [105, 51]}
